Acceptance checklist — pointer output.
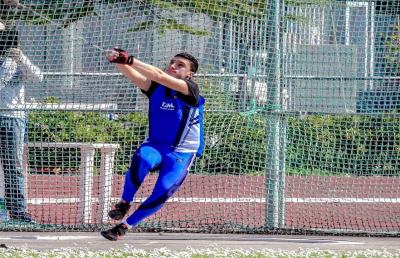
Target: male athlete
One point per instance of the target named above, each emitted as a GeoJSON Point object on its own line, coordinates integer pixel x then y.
{"type": "Point", "coordinates": [175, 133]}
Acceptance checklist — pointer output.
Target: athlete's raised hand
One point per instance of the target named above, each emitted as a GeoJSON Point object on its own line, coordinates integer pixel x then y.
{"type": "Point", "coordinates": [119, 56]}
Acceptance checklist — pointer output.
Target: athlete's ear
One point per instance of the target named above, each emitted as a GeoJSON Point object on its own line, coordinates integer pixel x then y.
{"type": "Point", "coordinates": [190, 75]}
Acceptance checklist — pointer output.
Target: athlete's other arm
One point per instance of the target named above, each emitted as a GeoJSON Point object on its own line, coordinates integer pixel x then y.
{"type": "Point", "coordinates": [134, 76]}
{"type": "Point", "coordinates": [158, 75]}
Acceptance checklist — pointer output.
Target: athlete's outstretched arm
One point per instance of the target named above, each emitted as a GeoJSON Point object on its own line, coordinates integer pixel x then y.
{"type": "Point", "coordinates": [142, 73]}
{"type": "Point", "coordinates": [134, 76]}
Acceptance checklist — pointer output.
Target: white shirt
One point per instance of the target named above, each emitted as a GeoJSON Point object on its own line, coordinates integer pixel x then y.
{"type": "Point", "coordinates": [12, 90]}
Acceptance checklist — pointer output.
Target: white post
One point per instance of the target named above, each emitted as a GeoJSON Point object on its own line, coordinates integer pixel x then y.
{"type": "Point", "coordinates": [86, 183]}
{"type": "Point", "coordinates": [106, 176]}
{"type": "Point", "coordinates": [2, 183]}
{"type": "Point", "coordinates": [25, 172]}
{"type": "Point", "coordinates": [3, 211]}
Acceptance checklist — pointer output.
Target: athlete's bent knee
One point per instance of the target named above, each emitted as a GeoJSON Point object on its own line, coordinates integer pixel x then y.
{"type": "Point", "coordinates": [146, 157]}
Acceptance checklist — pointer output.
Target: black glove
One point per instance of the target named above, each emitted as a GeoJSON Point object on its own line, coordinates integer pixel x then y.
{"type": "Point", "coordinates": [123, 57]}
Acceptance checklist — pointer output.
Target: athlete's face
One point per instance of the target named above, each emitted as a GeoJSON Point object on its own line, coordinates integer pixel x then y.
{"type": "Point", "coordinates": [179, 68]}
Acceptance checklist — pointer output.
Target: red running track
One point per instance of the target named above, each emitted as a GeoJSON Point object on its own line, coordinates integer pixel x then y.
{"type": "Point", "coordinates": [348, 203]}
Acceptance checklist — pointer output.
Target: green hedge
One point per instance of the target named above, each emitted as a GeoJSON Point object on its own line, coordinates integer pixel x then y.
{"type": "Point", "coordinates": [58, 126]}
{"type": "Point", "coordinates": [235, 143]}
{"type": "Point", "coordinates": [356, 145]}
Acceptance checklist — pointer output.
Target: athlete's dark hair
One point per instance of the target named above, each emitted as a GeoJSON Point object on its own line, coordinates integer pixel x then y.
{"type": "Point", "coordinates": [194, 63]}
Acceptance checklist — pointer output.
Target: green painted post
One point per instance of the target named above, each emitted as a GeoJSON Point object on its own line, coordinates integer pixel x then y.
{"type": "Point", "coordinates": [275, 155]}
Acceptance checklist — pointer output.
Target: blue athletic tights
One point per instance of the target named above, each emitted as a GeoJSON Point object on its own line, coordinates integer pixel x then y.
{"type": "Point", "coordinates": [173, 168]}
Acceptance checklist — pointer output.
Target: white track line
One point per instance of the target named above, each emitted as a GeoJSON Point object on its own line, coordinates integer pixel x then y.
{"type": "Point", "coordinates": [52, 237]}
{"type": "Point", "coordinates": [39, 201]}
{"type": "Point", "coordinates": [344, 200]}
{"type": "Point", "coordinates": [47, 237]}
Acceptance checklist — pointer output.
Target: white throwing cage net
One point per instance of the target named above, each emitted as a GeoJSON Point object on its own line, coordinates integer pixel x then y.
{"type": "Point", "coordinates": [302, 127]}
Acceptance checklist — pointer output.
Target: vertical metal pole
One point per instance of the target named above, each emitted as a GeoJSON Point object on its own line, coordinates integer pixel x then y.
{"type": "Point", "coordinates": [274, 173]}
{"type": "Point", "coordinates": [282, 95]}
{"type": "Point", "coordinates": [220, 47]}
{"type": "Point", "coordinates": [372, 45]}
{"type": "Point", "coordinates": [69, 54]}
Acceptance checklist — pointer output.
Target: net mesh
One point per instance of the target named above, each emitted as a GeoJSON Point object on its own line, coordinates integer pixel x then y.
{"type": "Point", "coordinates": [302, 114]}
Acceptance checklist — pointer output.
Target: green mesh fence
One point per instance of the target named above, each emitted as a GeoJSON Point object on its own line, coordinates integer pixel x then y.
{"type": "Point", "coordinates": [302, 113]}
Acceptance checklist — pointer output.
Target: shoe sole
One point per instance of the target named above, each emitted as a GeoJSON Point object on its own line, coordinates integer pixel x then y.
{"type": "Point", "coordinates": [107, 236]}
{"type": "Point", "coordinates": [117, 216]}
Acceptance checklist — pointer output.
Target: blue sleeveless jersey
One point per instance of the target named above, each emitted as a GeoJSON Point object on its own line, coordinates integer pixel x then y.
{"type": "Point", "coordinates": [174, 122]}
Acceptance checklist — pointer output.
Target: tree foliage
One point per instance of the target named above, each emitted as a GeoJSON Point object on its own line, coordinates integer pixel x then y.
{"type": "Point", "coordinates": [66, 12]}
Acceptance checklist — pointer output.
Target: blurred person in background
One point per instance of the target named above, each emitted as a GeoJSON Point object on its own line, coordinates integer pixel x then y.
{"type": "Point", "coordinates": [15, 69]}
